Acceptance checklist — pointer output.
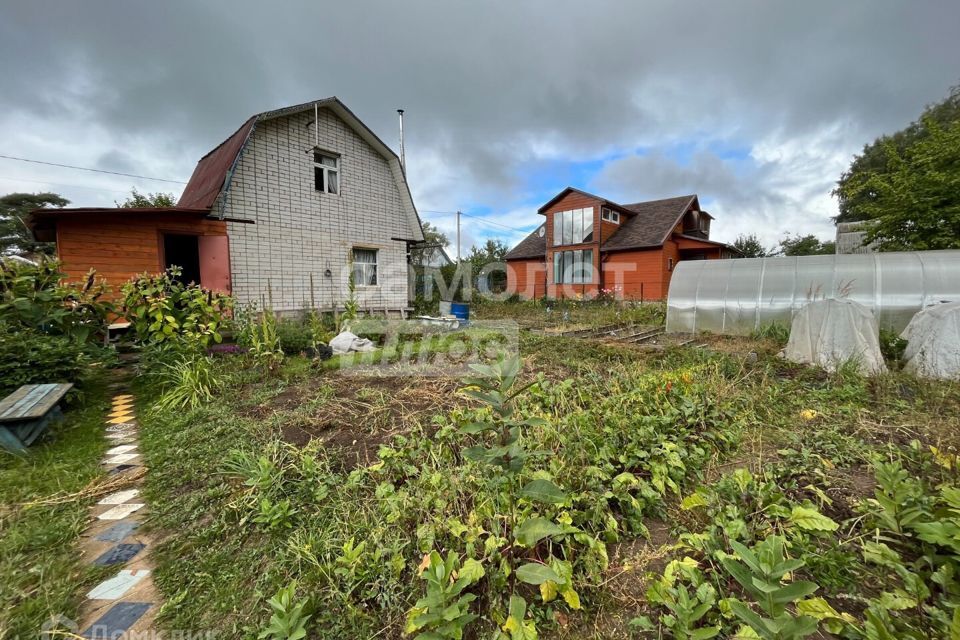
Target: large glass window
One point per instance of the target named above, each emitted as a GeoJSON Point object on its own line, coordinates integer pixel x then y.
{"type": "Point", "coordinates": [573, 227]}
{"type": "Point", "coordinates": [573, 267]}
{"type": "Point", "coordinates": [365, 267]}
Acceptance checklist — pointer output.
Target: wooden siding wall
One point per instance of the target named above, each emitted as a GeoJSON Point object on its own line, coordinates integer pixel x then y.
{"type": "Point", "coordinates": [636, 273]}
{"type": "Point", "coordinates": [120, 248]}
{"type": "Point", "coordinates": [527, 278]}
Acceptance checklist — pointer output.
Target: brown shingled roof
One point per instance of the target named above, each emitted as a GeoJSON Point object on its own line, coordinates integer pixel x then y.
{"type": "Point", "coordinates": [648, 225]}
{"type": "Point", "coordinates": [533, 246]}
{"type": "Point", "coordinates": [652, 225]}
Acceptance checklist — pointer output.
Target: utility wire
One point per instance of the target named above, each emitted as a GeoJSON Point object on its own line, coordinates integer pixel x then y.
{"type": "Point", "coordinates": [70, 166]}
{"type": "Point", "coordinates": [62, 184]}
{"type": "Point", "coordinates": [133, 175]}
{"type": "Point", "coordinates": [480, 218]}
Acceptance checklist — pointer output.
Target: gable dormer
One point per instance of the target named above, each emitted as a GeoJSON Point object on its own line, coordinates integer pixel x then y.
{"type": "Point", "coordinates": [696, 224]}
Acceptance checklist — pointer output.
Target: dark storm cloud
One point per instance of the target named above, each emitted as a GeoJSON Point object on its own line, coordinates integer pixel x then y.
{"type": "Point", "coordinates": [488, 86]}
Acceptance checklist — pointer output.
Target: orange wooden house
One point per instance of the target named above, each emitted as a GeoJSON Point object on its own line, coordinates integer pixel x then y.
{"type": "Point", "coordinates": [121, 243]}
{"type": "Point", "coordinates": [589, 245]}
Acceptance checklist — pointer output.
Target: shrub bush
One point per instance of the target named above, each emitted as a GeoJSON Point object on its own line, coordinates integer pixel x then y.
{"type": "Point", "coordinates": [295, 336]}
{"type": "Point", "coordinates": [48, 329]}
{"type": "Point", "coordinates": [160, 308]}
{"type": "Point", "coordinates": [35, 297]}
{"type": "Point", "coordinates": [31, 357]}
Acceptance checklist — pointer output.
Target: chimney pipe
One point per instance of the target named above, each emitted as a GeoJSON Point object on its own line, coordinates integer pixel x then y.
{"type": "Point", "coordinates": [403, 158]}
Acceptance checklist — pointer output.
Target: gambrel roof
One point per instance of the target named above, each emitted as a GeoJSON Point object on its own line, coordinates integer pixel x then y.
{"type": "Point", "coordinates": [214, 171]}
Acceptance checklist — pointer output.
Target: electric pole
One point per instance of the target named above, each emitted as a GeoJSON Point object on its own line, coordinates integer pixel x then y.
{"type": "Point", "coordinates": [458, 237]}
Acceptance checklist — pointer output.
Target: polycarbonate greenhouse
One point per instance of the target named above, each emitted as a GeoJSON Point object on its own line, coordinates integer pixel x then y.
{"type": "Point", "coordinates": [739, 296]}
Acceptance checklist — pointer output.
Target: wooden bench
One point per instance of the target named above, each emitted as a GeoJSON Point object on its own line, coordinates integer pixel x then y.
{"type": "Point", "coordinates": [27, 412]}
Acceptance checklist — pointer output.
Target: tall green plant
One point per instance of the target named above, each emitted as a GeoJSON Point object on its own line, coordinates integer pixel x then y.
{"type": "Point", "coordinates": [502, 448]}
{"type": "Point", "coordinates": [190, 380]}
{"type": "Point", "coordinates": [36, 297]}
{"type": "Point", "coordinates": [265, 341]}
{"type": "Point", "coordinates": [162, 308]}
{"type": "Point", "coordinates": [351, 307]}
{"type": "Point", "coordinates": [288, 622]}
{"type": "Point", "coordinates": [762, 572]}
{"type": "Point", "coordinates": [443, 613]}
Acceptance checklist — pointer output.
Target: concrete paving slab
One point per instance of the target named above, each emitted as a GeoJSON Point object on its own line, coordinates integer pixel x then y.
{"type": "Point", "coordinates": [119, 554]}
{"type": "Point", "coordinates": [118, 532]}
{"type": "Point", "coordinates": [118, 585]}
{"type": "Point", "coordinates": [120, 468]}
{"type": "Point", "coordinates": [123, 448]}
{"type": "Point", "coordinates": [115, 622]}
{"type": "Point", "coordinates": [120, 511]}
{"type": "Point", "coordinates": [120, 497]}
{"type": "Point", "coordinates": [123, 458]}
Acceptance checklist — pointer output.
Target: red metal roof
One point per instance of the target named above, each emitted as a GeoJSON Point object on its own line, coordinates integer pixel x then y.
{"type": "Point", "coordinates": [207, 179]}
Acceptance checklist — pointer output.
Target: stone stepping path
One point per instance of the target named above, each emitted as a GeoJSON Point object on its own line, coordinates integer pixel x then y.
{"type": "Point", "coordinates": [125, 604]}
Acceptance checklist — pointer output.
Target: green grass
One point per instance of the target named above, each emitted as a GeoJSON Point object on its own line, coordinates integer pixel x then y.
{"type": "Point", "coordinates": [616, 415]}
{"type": "Point", "coordinates": [570, 314]}
{"type": "Point", "coordinates": [40, 570]}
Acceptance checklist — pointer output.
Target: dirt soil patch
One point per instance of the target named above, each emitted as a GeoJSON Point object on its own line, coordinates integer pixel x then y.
{"type": "Point", "coordinates": [354, 415]}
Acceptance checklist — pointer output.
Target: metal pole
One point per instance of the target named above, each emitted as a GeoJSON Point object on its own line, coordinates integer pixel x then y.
{"type": "Point", "coordinates": [403, 155]}
{"type": "Point", "coordinates": [458, 236]}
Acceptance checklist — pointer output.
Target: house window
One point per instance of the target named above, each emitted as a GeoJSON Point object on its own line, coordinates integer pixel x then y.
{"type": "Point", "coordinates": [573, 227]}
{"type": "Point", "coordinates": [326, 172]}
{"type": "Point", "coordinates": [669, 264]}
{"type": "Point", "coordinates": [365, 267]}
{"type": "Point", "coordinates": [573, 267]}
{"type": "Point", "coordinates": [609, 215]}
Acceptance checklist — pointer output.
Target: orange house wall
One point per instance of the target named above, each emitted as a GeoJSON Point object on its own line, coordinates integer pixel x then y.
{"type": "Point", "coordinates": [120, 248]}
{"type": "Point", "coordinates": [527, 278]}
{"type": "Point", "coordinates": [635, 274]}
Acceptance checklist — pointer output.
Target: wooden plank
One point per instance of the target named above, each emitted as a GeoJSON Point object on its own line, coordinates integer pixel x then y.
{"type": "Point", "coordinates": [35, 402]}
{"type": "Point", "coordinates": [10, 442]}
{"type": "Point", "coordinates": [14, 397]}
{"type": "Point", "coordinates": [33, 394]}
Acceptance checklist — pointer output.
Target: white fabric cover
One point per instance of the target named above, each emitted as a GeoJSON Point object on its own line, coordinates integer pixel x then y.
{"type": "Point", "coordinates": [347, 342]}
{"type": "Point", "coordinates": [831, 332]}
{"type": "Point", "coordinates": [933, 342]}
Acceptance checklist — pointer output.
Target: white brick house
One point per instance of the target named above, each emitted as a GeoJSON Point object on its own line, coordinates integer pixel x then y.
{"type": "Point", "coordinates": [322, 192]}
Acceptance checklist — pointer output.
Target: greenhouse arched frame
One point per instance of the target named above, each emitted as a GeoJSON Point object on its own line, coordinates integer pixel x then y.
{"type": "Point", "coordinates": [740, 296]}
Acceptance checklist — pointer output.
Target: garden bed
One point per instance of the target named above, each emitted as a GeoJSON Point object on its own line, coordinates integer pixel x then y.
{"type": "Point", "coordinates": [334, 489]}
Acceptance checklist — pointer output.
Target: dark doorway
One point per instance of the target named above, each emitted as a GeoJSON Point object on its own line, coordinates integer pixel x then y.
{"type": "Point", "coordinates": [184, 252]}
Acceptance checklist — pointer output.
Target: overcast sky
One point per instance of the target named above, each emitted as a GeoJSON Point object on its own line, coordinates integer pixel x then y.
{"type": "Point", "coordinates": [755, 106]}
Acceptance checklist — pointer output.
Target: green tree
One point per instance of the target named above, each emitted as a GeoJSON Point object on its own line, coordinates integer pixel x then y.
{"type": "Point", "coordinates": [749, 246]}
{"type": "Point", "coordinates": [492, 251]}
{"type": "Point", "coordinates": [431, 251]}
{"type": "Point", "coordinates": [137, 200]}
{"type": "Point", "coordinates": [907, 182]}
{"type": "Point", "coordinates": [913, 197]}
{"type": "Point", "coordinates": [808, 245]}
{"type": "Point", "coordinates": [15, 237]}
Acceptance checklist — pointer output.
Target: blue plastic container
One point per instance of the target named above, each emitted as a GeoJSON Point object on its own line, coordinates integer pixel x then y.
{"type": "Point", "coordinates": [460, 311]}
